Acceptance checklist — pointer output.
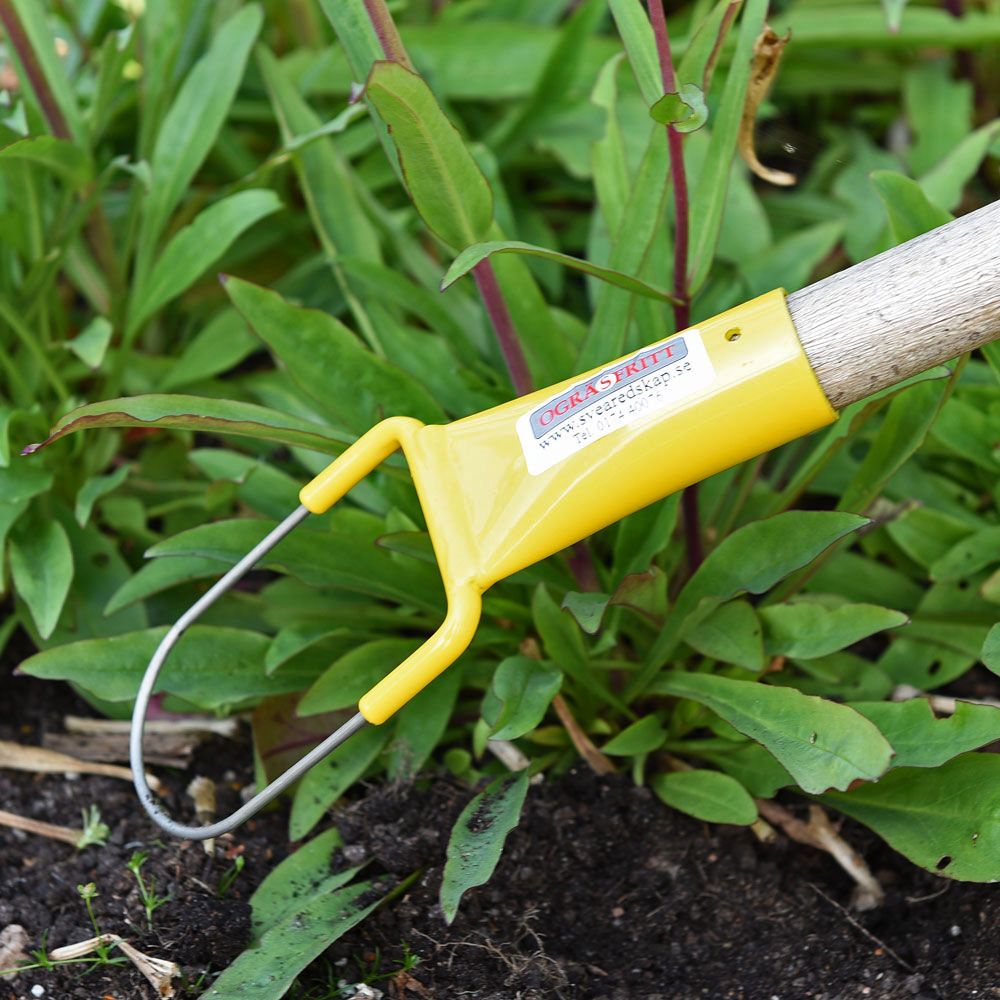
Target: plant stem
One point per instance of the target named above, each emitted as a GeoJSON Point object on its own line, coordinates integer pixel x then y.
{"type": "Point", "coordinates": [31, 344]}
{"type": "Point", "coordinates": [388, 35]}
{"type": "Point", "coordinates": [682, 307]}
{"type": "Point", "coordinates": [33, 70]}
{"type": "Point", "coordinates": [503, 325]}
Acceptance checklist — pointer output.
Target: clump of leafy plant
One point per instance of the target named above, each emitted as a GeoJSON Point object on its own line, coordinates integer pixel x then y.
{"type": "Point", "coordinates": [151, 902]}
{"type": "Point", "coordinates": [755, 634]}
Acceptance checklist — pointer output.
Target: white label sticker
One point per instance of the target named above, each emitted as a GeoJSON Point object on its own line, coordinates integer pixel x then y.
{"type": "Point", "coordinates": [633, 389]}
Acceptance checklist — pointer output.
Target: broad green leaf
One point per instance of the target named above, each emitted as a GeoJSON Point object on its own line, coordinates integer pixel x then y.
{"type": "Point", "coordinates": [198, 413]}
{"type": "Point", "coordinates": [971, 554]}
{"type": "Point", "coordinates": [335, 559]}
{"type": "Point", "coordinates": [751, 765]}
{"type": "Point", "coordinates": [640, 221]}
{"type": "Point", "coordinates": [329, 363]}
{"type": "Point", "coordinates": [324, 175]}
{"type": "Point", "coordinates": [945, 819]}
{"type": "Point", "coordinates": [219, 346]}
{"type": "Point", "coordinates": [9, 514]}
{"type": "Point", "coordinates": [91, 343]}
{"type": "Point", "coordinates": [268, 968]}
{"type": "Point", "coordinates": [343, 684]}
{"type": "Point", "coordinates": [706, 795]}
{"type": "Point", "coordinates": [61, 111]}
{"type": "Point", "coordinates": [520, 694]}
{"type": "Point", "coordinates": [643, 736]}
{"type": "Point", "coordinates": [329, 779]}
{"type": "Point", "coordinates": [190, 127]}
{"type": "Point", "coordinates": [643, 535]}
{"type": "Point", "coordinates": [95, 488]}
{"type": "Point", "coordinates": [893, 13]}
{"type": "Point", "coordinates": [685, 109]}
{"type": "Point", "coordinates": [472, 255]}
{"type": "Point", "coordinates": [640, 46]}
{"type": "Point", "coordinates": [820, 743]}
{"type": "Point", "coordinates": [68, 161]}
{"type": "Point", "coordinates": [587, 608]}
{"type": "Point", "coordinates": [197, 247]}
{"type": "Point", "coordinates": [924, 665]}
{"type": "Point", "coordinates": [421, 723]}
{"type": "Point", "coordinates": [907, 421]}
{"type": "Point", "coordinates": [709, 194]}
{"type": "Point", "coordinates": [158, 575]}
{"type": "Point", "coordinates": [910, 213]}
{"type": "Point", "coordinates": [301, 875]}
{"type": "Point", "coordinates": [790, 262]}
{"type": "Point", "coordinates": [945, 183]}
{"type": "Point", "coordinates": [41, 565]}
{"type": "Point", "coordinates": [212, 667]}
{"type": "Point", "coordinates": [356, 33]}
{"type": "Point", "coordinates": [732, 633]}
{"type": "Point", "coordinates": [752, 559]}
{"type": "Point", "coordinates": [938, 109]}
{"type": "Point", "coordinates": [807, 629]}
{"type": "Point", "coordinates": [920, 739]}
{"type": "Point", "coordinates": [991, 649]}
{"type": "Point", "coordinates": [447, 187]}
{"type": "Point", "coordinates": [22, 480]}
{"type": "Point", "coordinates": [478, 836]}
{"type": "Point", "coordinates": [559, 632]}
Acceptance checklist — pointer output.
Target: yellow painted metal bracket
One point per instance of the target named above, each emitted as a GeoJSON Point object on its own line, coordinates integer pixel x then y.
{"type": "Point", "coordinates": [507, 487]}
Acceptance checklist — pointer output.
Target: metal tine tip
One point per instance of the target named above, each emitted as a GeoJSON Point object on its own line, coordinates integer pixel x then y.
{"type": "Point", "coordinates": [149, 801]}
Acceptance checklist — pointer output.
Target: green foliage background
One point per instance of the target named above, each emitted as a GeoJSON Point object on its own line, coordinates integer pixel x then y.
{"type": "Point", "coordinates": [160, 143]}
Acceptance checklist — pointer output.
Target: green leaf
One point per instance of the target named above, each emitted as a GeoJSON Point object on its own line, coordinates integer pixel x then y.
{"type": "Point", "coordinates": [752, 766]}
{"type": "Point", "coordinates": [267, 969]}
{"type": "Point", "coordinates": [991, 649]}
{"type": "Point", "coordinates": [343, 684]}
{"type": "Point", "coordinates": [945, 819]}
{"type": "Point", "coordinates": [68, 161]}
{"type": "Point", "coordinates": [447, 187]}
{"type": "Point", "coordinates": [519, 696]}
{"type": "Point", "coordinates": [907, 422]}
{"type": "Point", "coordinates": [939, 111]}
{"type": "Point", "coordinates": [197, 413]}
{"type": "Point", "coordinates": [472, 255]}
{"type": "Point", "coordinates": [329, 363]}
{"type": "Point", "coordinates": [328, 780]}
{"type": "Point", "coordinates": [335, 559]}
{"type": "Point", "coordinates": [41, 565]}
{"type": "Point", "coordinates": [587, 608]}
{"type": "Point", "coordinates": [643, 736]}
{"type": "Point", "coordinates": [23, 480]}
{"type": "Point", "coordinates": [50, 70]}
{"type": "Point", "coordinates": [95, 488]}
{"type": "Point", "coordinates": [478, 836]}
{"type": "Point", "coordinates": [919, 739]}
{"type": "Point", "coordinates": [732, 633]}
{"type": "Point", "coordinates": [893, 14]}
{"type": "Point", "coordinates": [910, 213]}
{"type": "Point", "coordinates": [820, 743]}
{"type": "Point", "coordinates": [421, 723]}
{"type": "Point", "coordinates": [191, 125]}
{"type": "Point", "coordinates": [197, 247]}
{"type": "Point", "coordinates": [640, 46]}
{"type": "Point", "coordinates": [967, 557]}
{"type": "Point", "coordinates": [158, 575]}
{"type": "Point", "coordinates": [706, 795]}
{"type": "Point", "coordinates": [91, 343]}
{"type": "Point", "coordinates": [806, 629]}
{"type": "Point", "coordinates": [212, 667]}
{"type": "Point", "coordinates": [752, 559]}
{"type": "Point", "coordinates": [219, 346]}
{"type": "Point", "coordinates": [9, 515]}
{"type": "Point", "coordinates": [685, 110]}
{"type": "Point", "coordinates": [709, 195]}
{"type": "Point", "coordinates": [944, 184]}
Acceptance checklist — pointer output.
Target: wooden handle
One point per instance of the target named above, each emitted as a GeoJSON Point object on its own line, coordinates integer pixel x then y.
{"type": "Point", "coordinates": [905, 310]}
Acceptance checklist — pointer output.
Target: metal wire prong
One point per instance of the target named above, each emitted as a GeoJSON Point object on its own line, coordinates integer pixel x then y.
{"type": "Point", "coordinates": [149, 801]}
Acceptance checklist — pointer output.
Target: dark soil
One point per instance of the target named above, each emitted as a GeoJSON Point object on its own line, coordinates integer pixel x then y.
{"type": "Point", "coordinates": [601, 893]}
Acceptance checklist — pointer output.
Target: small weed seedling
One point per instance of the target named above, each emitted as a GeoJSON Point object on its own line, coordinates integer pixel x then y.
{"type": "Point", "coordinates": [229, 876]}
{"type": "Point", "coordinates": [147, 891]}
{"type": "Point", "coordinates": [94, 830]}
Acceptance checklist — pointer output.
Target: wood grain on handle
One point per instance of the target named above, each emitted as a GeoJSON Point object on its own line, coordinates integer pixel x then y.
{"type": "Point", "coordinates": [904, 311]}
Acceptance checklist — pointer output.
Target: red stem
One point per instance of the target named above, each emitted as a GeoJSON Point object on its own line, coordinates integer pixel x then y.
{"type": "Point", "coordinates": [388, 34]}
{"type": "Point", "coordinates": [510, 345]}
{"type": "Point", "coordinates": [682, 308]}
{"type": "Point", "coordinates": [26, 54]}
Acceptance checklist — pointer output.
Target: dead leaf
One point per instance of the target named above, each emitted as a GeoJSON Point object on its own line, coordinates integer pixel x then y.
{"type": "Point", "coordinates": [767, 51]}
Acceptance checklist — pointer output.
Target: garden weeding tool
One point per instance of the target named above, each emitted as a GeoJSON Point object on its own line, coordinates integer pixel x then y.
{"type": "Point", "coordinates": [505, 488]}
